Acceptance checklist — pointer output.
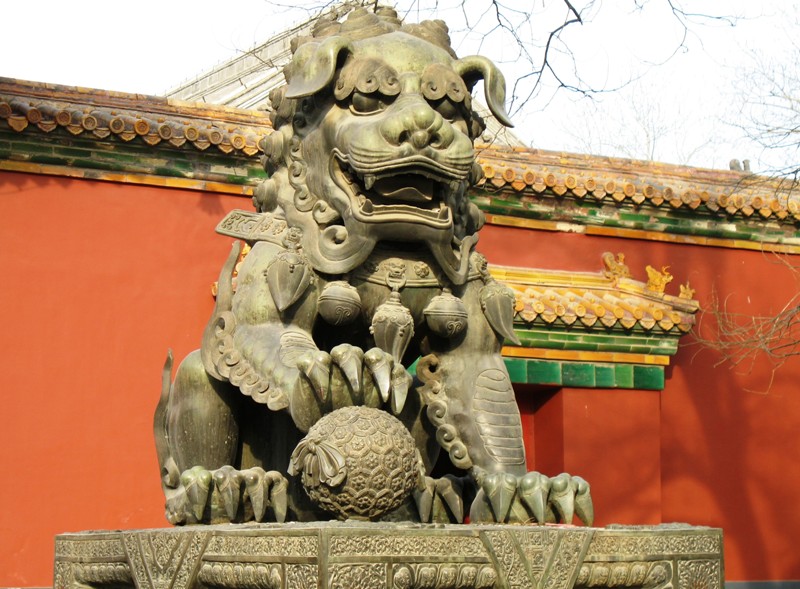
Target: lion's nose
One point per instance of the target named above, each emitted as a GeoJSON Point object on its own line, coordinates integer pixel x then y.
{"type": "Point", "coordinates": [418, 125]}
{"type": "Point", "coordinates": [419, 139]}
{"type": "Point", "coordinates": [424, 116]}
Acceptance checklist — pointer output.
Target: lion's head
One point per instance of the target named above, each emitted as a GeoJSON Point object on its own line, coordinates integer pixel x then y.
{"type": "Point", "coordinates": [374, 139]}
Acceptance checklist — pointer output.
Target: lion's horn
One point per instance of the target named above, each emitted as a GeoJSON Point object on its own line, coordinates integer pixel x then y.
{"type": "Point", "coordinates": [317, 72]}
{"type": "Point", "coordinates": [472, 68]}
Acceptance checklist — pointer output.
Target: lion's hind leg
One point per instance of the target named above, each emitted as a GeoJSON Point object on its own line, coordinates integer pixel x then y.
{"type": "Point", "coordinates": [197, 437]}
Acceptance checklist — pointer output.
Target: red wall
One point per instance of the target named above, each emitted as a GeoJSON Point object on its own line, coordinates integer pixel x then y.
{"type": "Point", "coordinates": [719, 446]}
{"type": "Point", "coordinates": [99, 279]}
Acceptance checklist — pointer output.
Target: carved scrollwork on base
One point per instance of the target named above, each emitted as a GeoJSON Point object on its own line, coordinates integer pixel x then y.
{"type": "Point", "coordinates": [236, 575]}
{"type": "Point", "coordinates": [699, 574]}
{"type": "Point", "coordinates": [433, 576]}
{"type": "Point", "coordinates": [113, 573]}
{"type": "Point", "coordinates": [353, 555]}
{"type": "Point", "coordinates": [625, 574]}
{"type": "Point", "coordinates": [357, 576]}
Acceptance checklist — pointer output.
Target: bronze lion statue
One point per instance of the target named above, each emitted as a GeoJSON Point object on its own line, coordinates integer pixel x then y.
{"type": "Point", "coordinates": [359, 263]}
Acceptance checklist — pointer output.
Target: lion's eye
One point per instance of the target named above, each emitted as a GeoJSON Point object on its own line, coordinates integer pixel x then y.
{"type": "Point", "coordinates": [366, 103]}
{"type": "Point", "coordinates": [447, 109]}
{"type": "Point", "coordinates": [454, 113]}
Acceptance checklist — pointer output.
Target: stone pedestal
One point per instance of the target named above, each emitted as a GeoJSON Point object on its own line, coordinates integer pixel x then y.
{"type": "Point", "coordinates": [355, 555]}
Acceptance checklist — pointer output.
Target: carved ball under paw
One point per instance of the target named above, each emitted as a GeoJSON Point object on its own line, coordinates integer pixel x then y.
{"type": "Point", "coordinates": [357, 462]}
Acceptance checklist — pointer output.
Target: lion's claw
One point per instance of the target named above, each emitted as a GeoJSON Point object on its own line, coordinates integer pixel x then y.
{"type": "Point", "coordinates": [226, 494]}
{"type": "Point", "coordinates": [228, 482]}
{"type": "Point", "coordinates": [503, 497]}
{"type": "Point", "coordinates": [266, 489]}
{"type": "Point", "coordinates": [380, 364]}
{"type": "Point", "coordinates": [197, 483]}
{"type": "Point", "coordinates": [449, 489]}
{"type": "Point", "coordinates": [571, 496]}
{"type": "Point", "coordinates": [177, 505]}
{"type": "Point", "coordinates": [440, 500]}
{"type": "Point", "coordinates": [534, 488]}
{"type": "Point", "coordinates": [391, 378]}
{"type": "Point", "coordinates": [500, 489]}
{"type": "Point", "coordinates": [584, 508]}
{"type": "Point", "coordinates": [350, 376]}
{"type": "Point", "coordinates": [401, 382]}
{"type": "Point", "coordinates": [562, 496]}
{"type": "Point", "coordinates": [349, 360]}
{"type": "Point", "coordinates": [316, 367]}
{"type": "Point", "coordinates": [423, 497]}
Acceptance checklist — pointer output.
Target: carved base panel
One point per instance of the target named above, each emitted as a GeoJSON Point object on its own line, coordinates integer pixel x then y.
{"type": "Point", "coordinates": [358, 555]}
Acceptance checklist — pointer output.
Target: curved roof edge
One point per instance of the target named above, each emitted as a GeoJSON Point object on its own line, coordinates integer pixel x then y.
{"type": "Point", "coordinates": [523, 187]}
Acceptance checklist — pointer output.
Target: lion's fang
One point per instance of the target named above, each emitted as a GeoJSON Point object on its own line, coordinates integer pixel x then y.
{"type": "Point", "coordinates": [369, 181]}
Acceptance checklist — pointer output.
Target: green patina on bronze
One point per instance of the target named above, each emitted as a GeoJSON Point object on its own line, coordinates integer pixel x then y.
{"type": "Point", "coordinates": [361, 259]}
{"type": "Point", "coordinates": [357, 267]}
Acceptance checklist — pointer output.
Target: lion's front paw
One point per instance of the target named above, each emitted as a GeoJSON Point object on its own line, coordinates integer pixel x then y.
{"type": "Point", "coordinates": [441, 500]}
{"type": "Point", "coordinates": [350, 376]}
{"type": "Point", "coordinates": [227, 495]}
{"type": "Point", "coordinates": [532, 497]}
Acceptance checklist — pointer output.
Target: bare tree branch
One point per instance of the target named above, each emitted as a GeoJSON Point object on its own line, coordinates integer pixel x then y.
{"type": "Point", "coordinates": [744, 341]}
{"type": "Point", "coordinates": [529, 39]}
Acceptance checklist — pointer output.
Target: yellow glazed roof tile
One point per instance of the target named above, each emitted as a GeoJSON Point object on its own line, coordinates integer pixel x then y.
{"type": "Point", "coordinates": [609, 298]}
{"type": "Point", "coordinates": [526, 173]}
{"type": "Point", "coordinates": [26, 106]}
{"type": "Point", "coordinates": [617, 180]}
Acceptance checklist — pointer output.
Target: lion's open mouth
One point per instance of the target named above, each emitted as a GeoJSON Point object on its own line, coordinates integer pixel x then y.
{"type": "Point", "coordinates": [416, 187]}
{"type": "Point", "coordinates": [407, 188]}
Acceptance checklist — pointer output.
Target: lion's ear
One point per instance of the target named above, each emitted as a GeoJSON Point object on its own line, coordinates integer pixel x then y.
{"type": "Point", "coordinates": [314, 65]}
{"type": "Point", "coordinates": [475, 67]}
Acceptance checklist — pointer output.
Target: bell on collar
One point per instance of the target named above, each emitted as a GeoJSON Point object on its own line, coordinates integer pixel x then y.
{"type": "Point", "coordinates": [446, 314]}
{"type": "Point", "coordinates": [497, 302]}
{"type": "Point", "coordinates": [288, 276]}
{"type": "Point", "coordinates": [339, 303]}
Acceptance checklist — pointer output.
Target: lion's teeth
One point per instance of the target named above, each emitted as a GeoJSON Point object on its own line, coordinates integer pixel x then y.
{"type": "Point", "coordinates": [369, 181]}
{"type": "Point", "coordinates": [444, 212]}
{"type": "Point", "coordinates": [367, 206]}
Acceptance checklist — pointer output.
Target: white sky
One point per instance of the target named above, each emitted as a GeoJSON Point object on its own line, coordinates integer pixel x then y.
{"type": "Point", "coordinates": [149, 46]}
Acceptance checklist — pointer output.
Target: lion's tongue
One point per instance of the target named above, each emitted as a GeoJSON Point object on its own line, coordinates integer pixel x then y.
{"type": "Point", "coordinates": [394, 189]}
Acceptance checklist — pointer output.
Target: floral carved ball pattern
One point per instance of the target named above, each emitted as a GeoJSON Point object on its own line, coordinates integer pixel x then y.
{"type": "Point", "coordinates": [357, 462]}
